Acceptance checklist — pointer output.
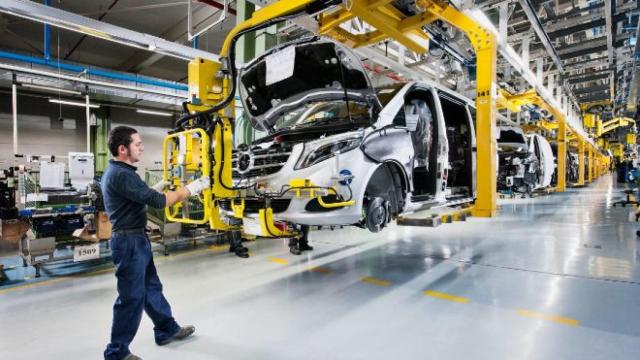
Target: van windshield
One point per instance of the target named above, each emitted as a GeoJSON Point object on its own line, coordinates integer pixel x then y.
{"type": "Point", "coordinates": [323, 113]}
{"type": "Point", "coordinates": [510, 136]}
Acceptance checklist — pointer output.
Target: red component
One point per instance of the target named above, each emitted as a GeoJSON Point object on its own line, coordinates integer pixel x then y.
{"type": "Point", "coordinates": [281, 225]}
{"type": "Point", "coordinates": [277, 139]}
{"type": "Point", "coordinates": [387, 74]}
{"type": "Point", "coordinates": [217, 5]}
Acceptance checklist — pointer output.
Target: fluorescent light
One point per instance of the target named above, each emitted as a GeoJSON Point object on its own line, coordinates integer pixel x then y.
{"type": "Point", "coordinates": [150, 112]}
{"type": "Point", "coordinates": [74, 103]}
{"type": "Point", "coordinates": [48, 88]}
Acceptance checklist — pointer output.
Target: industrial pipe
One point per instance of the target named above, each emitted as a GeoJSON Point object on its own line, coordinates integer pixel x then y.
{"type": "Point", "coordinates": [55, 63]}
{"type": "Point", "coordinates": [20, 69]}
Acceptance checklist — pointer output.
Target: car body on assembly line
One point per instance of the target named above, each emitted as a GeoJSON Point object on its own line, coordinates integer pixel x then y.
{"type": "Point", "coordinates": [310, 112]}
{"type": "Point", "coordinates": [518, 166]}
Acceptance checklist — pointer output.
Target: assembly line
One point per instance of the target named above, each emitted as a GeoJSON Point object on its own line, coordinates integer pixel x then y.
{"type": "Point", "coordinates": [320, 179]}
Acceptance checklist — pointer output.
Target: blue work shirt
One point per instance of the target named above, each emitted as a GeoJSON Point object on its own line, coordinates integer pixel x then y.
{"type": "Point", "coordinates": [126, 196]}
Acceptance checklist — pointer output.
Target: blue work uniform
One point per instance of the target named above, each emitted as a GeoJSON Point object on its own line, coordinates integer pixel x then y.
{"type": "Point", "coordinates": [126, 198]}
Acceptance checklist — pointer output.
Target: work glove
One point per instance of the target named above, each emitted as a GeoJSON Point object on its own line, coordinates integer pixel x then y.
{"type": "Point", "coordinates": [159, 187]}
{"type": "Point", "coordinates": [197, 186]}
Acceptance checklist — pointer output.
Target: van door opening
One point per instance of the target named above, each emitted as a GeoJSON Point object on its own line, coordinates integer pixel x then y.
{"type": "Point", "coordinates": [425, 145]}
{"type": "Point", "coordinates": [459, 136]}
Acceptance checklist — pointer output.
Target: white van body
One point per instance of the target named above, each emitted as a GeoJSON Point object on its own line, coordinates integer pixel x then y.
{"type": "Point", "coordinates": [392, 150]}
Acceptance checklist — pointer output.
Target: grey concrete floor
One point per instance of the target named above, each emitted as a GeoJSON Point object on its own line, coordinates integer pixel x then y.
{"type": "Point", "coordinates": [555, 277]}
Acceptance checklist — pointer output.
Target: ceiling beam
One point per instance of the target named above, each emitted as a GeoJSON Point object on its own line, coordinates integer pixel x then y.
{"type": "Point", "coordinates": [176, 33]}
{"type": "Point", "coordinates": [592, 46]}
{"type": "Point", "coordinates": [79, 42]}
{"type": "Point", "coordinates": [84, 25]}
{"type": "Point", "coordinates": [592, 89]}
{"type": "Point", "coordinates": [609, 8]}
{"type": "Point", "coordinates": [544, 38]}
{"type": "Point", "coordinates": [578, 80]}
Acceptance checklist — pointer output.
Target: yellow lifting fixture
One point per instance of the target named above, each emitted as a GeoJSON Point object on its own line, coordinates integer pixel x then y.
{"type": "Point", "coordinates": [531, 97]}
{"type": "Point", "coordinates": [603, 127]}
{"type": "Point", "coordinates": [212, 89]}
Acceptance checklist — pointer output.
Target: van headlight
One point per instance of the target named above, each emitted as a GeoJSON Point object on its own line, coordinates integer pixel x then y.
{"type": "Point", "coordinates": [327, 148]}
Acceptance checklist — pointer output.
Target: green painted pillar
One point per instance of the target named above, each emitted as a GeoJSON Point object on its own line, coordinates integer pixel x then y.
{"type": "Point", "coordinates": [100, 137]}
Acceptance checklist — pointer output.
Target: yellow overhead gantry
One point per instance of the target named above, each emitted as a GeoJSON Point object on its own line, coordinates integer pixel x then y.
{"type": "Point", "coordinates": [603, 127]}
{"type": "Point", "coordinates": [390, 23]}
{"type": "Point", "coordinates": [212, 88]}
{"type": "Point", "coordinates": [565, 135]}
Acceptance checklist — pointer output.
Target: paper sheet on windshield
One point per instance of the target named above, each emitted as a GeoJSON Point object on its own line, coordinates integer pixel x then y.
{"type": "Point", "coordinates": [280, 65]}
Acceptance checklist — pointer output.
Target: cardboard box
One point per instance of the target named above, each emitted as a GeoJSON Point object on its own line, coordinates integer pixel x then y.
{"type": "Point", "coordinates": [12, 230]}
{"type": "Point", "coordinates": [83, 234]}
{"type": "Point", "coordinates": [103, 226]}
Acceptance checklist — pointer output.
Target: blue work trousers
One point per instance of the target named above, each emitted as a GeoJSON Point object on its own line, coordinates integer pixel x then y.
{"type": "Point", "coordinates": [138, 288]}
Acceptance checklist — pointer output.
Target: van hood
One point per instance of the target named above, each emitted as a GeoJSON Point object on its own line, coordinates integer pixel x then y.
{"type": "Point", "coordinates": [301, 72]}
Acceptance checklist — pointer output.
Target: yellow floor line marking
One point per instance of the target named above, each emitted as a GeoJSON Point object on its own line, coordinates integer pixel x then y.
{"type": "Point", "coordinates": [279, 260]}
{"type": "Point", "coordinates": [28, 286]}
{"type": "Point", "coordinates": [219, 247]}
{"type": "Point", "coordinates": [321, 270]}
{"type": "Point", "coordinates": [158, 260]}
{"type": "Point", "coordinates": [96, 272]}
{"type": "Point", "coordinates": [374, 281]}
{"type": "Point", "coordinates": [444, 296]}
{"type": "Point", "coordinates": [554, 318]}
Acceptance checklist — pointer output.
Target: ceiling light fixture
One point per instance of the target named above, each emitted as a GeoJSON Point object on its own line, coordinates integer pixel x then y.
{"type": "Point", "coordinates": [54, 89]}
{"type": "Point", "coordinates": [150, 112]}
{"type": "Point", "coordinates": [73, 103]}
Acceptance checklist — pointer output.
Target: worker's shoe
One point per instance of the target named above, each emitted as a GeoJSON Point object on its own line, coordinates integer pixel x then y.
{"type": "Point", "coordinates": [294, 247]}
{"type": "Point", "coordinates": [183, 333]}
{"type": "Point", "coordinates": [240, 251]}
{"type": "Point", "coordinates": [304, 246]}
{"type": "Point", "coordinates": [638, 233]}
{"type": "Point", "coordinates": [132, 357]}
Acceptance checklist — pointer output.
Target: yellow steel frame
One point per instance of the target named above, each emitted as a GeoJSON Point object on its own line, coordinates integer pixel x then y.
{"type": "Point", "coordinates": [208, 85]}
{"type": "Point", "coordinates": [585, 106]}
{"type": "Point", "coordinates": [390, 23]}
{"type": "Point", "coordinates": [196, 160]}
{"type": "Point", "coordinates": [532, 97]}
{"type": "Point", "coordinates": [603, 127]}
{"type": "Point", "coordinates": [484, 44]}
{"type": "Point", "coordinates": [581, 150]}
{"type": "Point", "coordinates": [591, 172]}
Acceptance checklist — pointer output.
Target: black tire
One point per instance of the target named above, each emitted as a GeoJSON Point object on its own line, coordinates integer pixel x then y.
{"type": "Point", "coordinates": [377, 214]}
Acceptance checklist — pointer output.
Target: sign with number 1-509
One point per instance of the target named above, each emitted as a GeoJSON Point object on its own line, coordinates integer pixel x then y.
{"type": "Point", "coordinates": [88, 252]}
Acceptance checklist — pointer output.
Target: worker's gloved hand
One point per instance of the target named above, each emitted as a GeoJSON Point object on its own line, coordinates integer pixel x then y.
{"type": "Point", "coordinates": [159, 187]}
{"type": "Point", "coordinates": [197, 186]}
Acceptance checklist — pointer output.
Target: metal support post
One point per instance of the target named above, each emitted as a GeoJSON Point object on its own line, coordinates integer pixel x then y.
{"type": "Point", "coordinates": [485, 46]}
{"type": "Point", "coordinates": [503, 21]}
{"type": "Point", "coordinates": [581, 146]}
{"type": "Point", "coordinates": [562, 152]}
{"type": "Point", "coordinates": [14, 107]}
{"type": "Point", "coordinates": [525, 51]}
{"type": "Point", "coordinates": [47, 37]}
{"type": "Point", "coordinates": [590, 164]}
{"type": "Point", "coordinates": [540, 69]}
{"type": "Point", "coordinates": [88, 116]}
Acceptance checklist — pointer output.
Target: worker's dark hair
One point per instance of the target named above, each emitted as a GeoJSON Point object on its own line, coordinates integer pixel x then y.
{"type": "Point", "coordinates": [120, 135]}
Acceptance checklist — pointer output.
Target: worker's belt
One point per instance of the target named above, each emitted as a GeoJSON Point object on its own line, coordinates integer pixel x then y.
{"type": "Point", "coordinates": [130, 231]}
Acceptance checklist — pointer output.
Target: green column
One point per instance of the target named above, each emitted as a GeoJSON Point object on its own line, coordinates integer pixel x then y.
{"type": "Point", "coordinates": [101, 135]}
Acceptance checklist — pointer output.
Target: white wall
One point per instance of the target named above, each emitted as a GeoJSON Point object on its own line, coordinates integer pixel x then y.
{"type": "Point", "coordinates": [41, 133]}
